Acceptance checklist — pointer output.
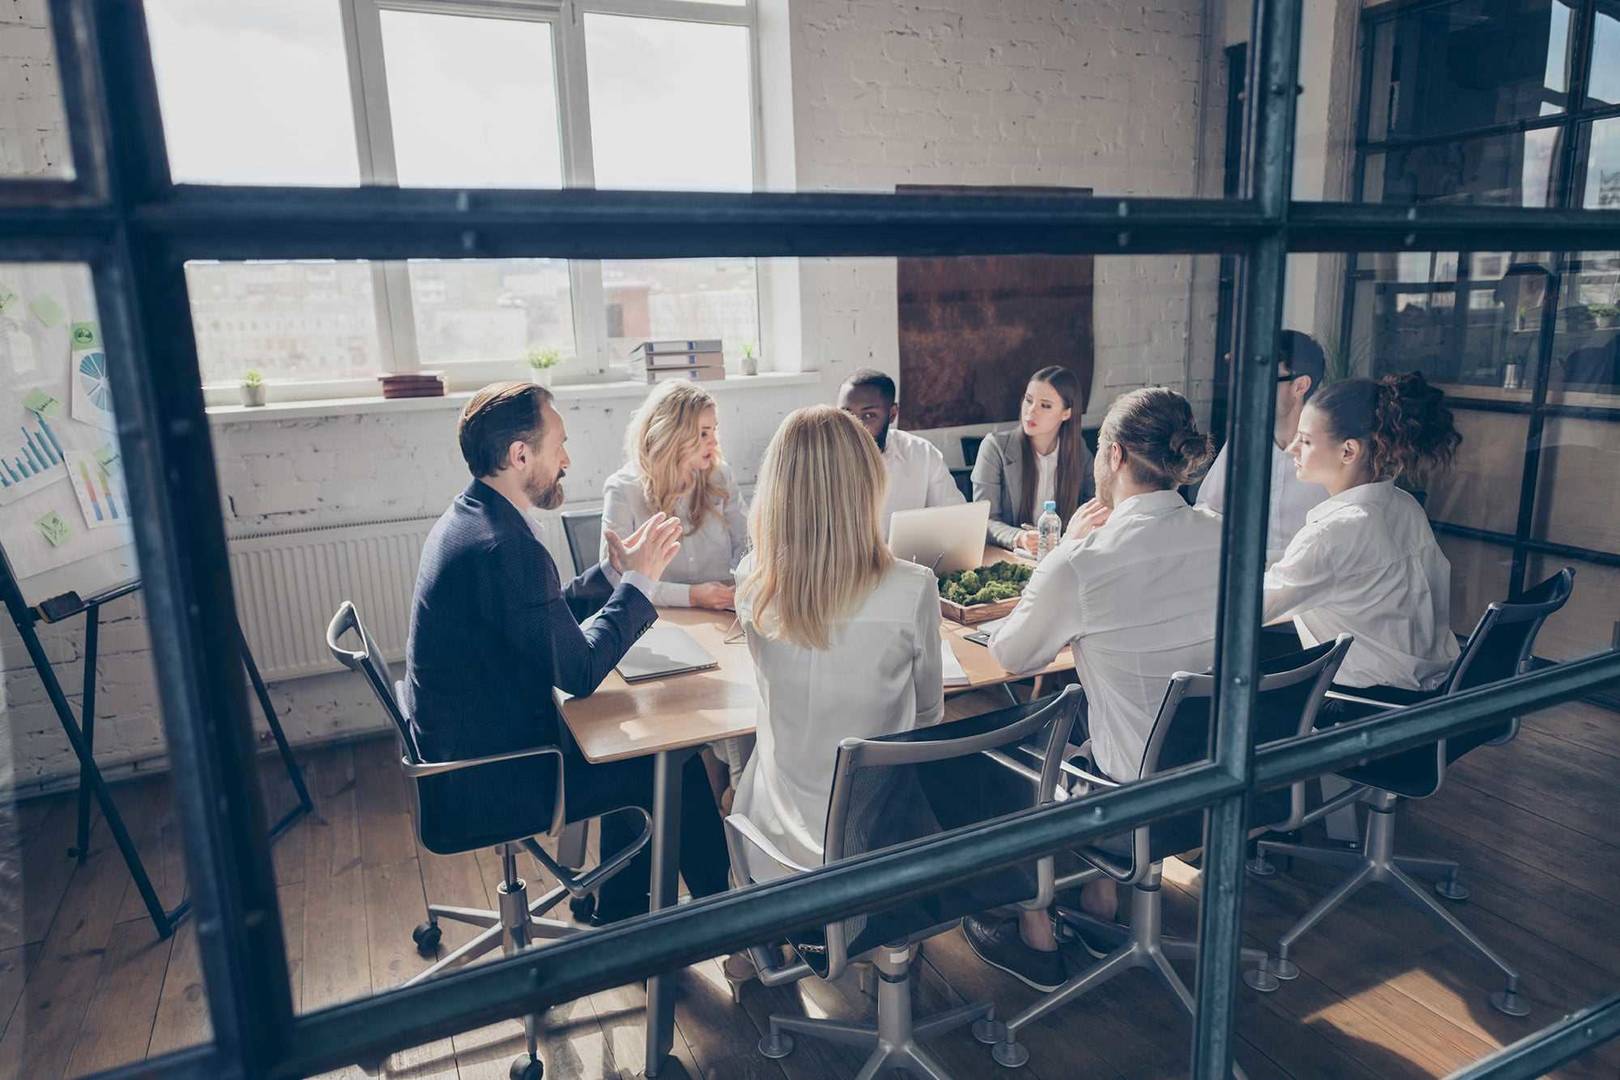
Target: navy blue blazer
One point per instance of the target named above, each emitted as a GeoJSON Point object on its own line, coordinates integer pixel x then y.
{"type": "Point", "coordinates": [493, 630]}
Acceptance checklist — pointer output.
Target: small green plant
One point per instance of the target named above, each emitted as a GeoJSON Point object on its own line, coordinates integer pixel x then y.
{"type": "Point", "coordinates": [252, 377]}
{"type": "Point", "coordinates": [542, 359]}
{"type": "Point", "coordinates": [1604, 311]}
{"type": "Point", "coordinates": [748, 350]}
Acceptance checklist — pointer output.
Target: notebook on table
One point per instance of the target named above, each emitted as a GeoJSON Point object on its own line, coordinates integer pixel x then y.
{"type": "Point", "coordinates": [665, 649]}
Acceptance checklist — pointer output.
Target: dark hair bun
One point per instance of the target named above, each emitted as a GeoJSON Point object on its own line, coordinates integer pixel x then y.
{"type": "Point", "coordinates": [1193, 450]}
{"type": "Point", "coordinates": [1413, 431]}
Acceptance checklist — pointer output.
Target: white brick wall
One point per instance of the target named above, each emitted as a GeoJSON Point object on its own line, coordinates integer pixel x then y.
{"type": "Point", "coordinates": [1106, 94]}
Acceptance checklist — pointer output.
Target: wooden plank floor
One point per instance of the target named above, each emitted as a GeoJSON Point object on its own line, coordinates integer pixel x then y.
{"type": "Point", "coordinates": [85, 985]}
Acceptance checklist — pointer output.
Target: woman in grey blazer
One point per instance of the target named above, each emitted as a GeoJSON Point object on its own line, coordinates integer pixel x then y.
{"type": "Point", "coordinates": [1044, 458]}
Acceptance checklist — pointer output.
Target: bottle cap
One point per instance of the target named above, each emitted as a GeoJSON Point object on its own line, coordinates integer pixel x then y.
{"type": "Point", "coordinates": [1051, 504]}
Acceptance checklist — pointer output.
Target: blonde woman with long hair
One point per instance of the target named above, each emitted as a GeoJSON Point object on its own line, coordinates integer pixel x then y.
{"type": "Point", "coordinates": [673, 466]}
{"type": "Point", "coordinates": [844, 637]}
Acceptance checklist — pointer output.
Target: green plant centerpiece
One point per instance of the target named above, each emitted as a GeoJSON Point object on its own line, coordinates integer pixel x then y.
{"type": "Point", "coordinates": [541, 362]}
{"type": "Point", "coordinates": [987, 584]}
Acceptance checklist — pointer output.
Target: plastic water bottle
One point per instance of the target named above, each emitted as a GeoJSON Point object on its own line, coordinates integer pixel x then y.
{"type": "Point", "coordinates": [1050, 528]}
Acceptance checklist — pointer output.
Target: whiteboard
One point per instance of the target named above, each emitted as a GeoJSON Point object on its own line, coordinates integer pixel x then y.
{"type": "Point", "coordinates": [64, 513]}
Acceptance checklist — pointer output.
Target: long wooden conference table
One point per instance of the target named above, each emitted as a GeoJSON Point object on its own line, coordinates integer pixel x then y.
{"type": "Point", "coordinates": [673, 717]}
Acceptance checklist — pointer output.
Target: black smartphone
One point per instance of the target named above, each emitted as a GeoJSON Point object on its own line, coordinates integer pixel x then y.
{"type": "Point", "coordinates": [978, 637]}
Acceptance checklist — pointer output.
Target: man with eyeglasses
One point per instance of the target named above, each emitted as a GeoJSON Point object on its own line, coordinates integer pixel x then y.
{"type": "Point", "coordinates": [1301, 365]}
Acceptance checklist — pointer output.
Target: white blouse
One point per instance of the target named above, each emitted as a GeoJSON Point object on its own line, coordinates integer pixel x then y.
{"type": "Point", "coordinates": [1366, 563]}
{"type": "Point", "coordinates": [880, 675]}
{"type": "Point", "coordinates": [1136, 598]}
{"type": "Point", "coordinates": [1045, 482]}
{"type": "Point", "coordinates": [709, 553]}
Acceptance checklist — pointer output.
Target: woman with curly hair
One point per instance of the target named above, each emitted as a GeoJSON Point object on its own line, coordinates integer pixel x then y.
{"type": "Point", "coordinates": [1366, 562]}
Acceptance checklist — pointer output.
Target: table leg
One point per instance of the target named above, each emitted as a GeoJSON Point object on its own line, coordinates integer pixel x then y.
{"type": "Point", "coordinates": [666, 860]}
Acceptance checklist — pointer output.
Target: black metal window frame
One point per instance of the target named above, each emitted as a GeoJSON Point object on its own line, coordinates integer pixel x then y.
{"type": "Point", "coordinates": [1569, 173]}
{"type": "Point", "coordinates": [122, 216]}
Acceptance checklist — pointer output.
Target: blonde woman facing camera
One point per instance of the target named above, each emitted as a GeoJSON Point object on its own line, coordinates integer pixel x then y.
{"type": "Point", "coordinates": [673, 466]}
{"type": "Point", "coordinates": [844, 637]}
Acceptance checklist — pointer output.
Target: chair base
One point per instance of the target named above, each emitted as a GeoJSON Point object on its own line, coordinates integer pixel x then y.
{"type": "Point", "coordinates": [1142, 945]}
{"type": "Point", "coordinates": [1376, 861]}
{"type": "Point", "coordinates": [894, 1039]}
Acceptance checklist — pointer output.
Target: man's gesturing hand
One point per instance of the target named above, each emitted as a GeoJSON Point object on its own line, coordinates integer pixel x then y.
{"type": "Point", "coordinates": [649, 549]}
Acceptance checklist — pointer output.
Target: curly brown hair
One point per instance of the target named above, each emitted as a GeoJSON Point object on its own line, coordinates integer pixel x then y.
{"type": "Point", "coordinates": [1401, 418]}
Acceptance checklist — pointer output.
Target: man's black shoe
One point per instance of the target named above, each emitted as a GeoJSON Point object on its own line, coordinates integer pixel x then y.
{"type": "Point", "coordinates": [998, 944]}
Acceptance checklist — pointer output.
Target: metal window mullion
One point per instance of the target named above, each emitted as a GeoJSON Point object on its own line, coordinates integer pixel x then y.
{"type": "Point", "coordinates": [1272, 81]}
{"type": "Point", "coordinates": [74, 43]}
{"type": "Point", "coordinates": [585, 292]}
{"type": "Point", "coordinates": [672, 10]}
{"type": "Point", "coordinates": [1538, 1054]}
{"type": "Point", "coordinates": [166, 455]}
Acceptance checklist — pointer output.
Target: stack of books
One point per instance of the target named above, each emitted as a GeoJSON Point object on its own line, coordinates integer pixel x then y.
{"type": "Point", "coordinates": [414, 384]}
{"type": "Point", "coordinates": [658, 361]}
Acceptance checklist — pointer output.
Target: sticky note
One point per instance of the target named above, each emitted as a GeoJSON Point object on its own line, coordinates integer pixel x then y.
{"type": "Point", "coordinates": [41, 403]}
{"type": "Point", "coordinates": [46, 310]}
{"type": "Point", "coordinates": [8, 298]}
{"type": "Point", "coordinates": [54, 529]}
{"type": "Point", "coordinates": [85, 335]}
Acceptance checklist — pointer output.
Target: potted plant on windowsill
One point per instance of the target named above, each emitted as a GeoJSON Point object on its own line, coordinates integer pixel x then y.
{"type": "Point", "coordinates": [541, 363]}
{"type": "Point", "coordinates": [1607, 316]}
{"type": "Point", "coordinates": [252, 388]}
{"type": "Point", "coordinates": [750, 362]}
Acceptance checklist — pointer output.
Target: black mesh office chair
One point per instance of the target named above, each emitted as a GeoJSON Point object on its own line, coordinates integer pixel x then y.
{"type": "Point", "coordinates": [583, 530]}
{"type": "Point", "coordinates": [880, 797]}
{"type": "Point", "coordinates": [1291, 690]}
{"type": "Point", "coordinates": [1499, 648]}
{"type": "Point", "coordinates": [519, 921]}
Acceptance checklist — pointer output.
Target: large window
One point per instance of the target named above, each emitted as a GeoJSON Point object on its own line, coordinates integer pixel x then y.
{"type": "Point", "coordinates": [651, 94]}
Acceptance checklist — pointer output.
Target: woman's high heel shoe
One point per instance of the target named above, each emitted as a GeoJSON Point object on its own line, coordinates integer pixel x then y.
{"type": "Point", "coordinates": [738, 969]}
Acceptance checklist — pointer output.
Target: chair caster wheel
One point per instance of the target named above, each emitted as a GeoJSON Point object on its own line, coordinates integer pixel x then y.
{"type": "Point", "coordinates": [1509, 1003]}
{"type": "Point", "coordinates": [583, 907]}
{"type": "Point", "coordinates": [427, 938]}
{"type": "Point", "coordinates": [1261, 979]}
{"type": "Point", "coordinates": [777, 1045]}
{"type": "Point", "coordinates": [1010, 1055]}
{"type": "Point", "coordinates": [989, 1032]}
{"type": "Point", "coordinates": [526, 1068]}
{"type": "Point", "coordinates": [1451, 889]}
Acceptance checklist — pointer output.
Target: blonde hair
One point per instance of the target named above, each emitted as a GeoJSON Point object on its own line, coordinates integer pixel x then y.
{"type": "Point", "coordinates": [661, 435]}
{"type": "Point", "coordinates": [814, 525]}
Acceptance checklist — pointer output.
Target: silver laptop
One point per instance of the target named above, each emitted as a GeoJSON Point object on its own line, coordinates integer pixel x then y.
{"type": "Point", "coordinates": [944, 538]}
{"type": "Point", "coordinates": [665, 649]}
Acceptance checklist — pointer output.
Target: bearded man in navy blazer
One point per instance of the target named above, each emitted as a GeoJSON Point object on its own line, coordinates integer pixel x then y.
{"type": "Point", "coordinates": [494, 630]}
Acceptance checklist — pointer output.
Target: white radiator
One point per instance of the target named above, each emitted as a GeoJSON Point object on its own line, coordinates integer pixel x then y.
{"type": "Point", "coordinates": [289, 584]}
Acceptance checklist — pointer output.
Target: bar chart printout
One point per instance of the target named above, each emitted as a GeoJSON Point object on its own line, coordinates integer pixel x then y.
{"type": "Point", "coordinates": [99, 489]}
{"type": "Point", "coordinates": [36, 461]}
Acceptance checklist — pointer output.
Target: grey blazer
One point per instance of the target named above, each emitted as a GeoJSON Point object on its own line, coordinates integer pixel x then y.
{"type": "Point", "coordinates": [998, 478]}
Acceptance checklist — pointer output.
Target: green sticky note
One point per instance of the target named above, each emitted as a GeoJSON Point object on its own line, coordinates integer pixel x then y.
{"type": "Point", "coordinates": [54, 529]}
{"type": "Point", "coordinates": [41, 403]}
{"type": "Point", "coordinates": [85, 335]}
{"type": "Point", "coordinates": [46, 310]}
{"type": "Point", "coordinates": [8, 298]}
{"type": "Point", "coordinates": [106, 457]}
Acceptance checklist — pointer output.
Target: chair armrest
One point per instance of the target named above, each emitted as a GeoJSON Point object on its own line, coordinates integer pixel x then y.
{"type": "Point", "coordinates": [746, 830]}
{"type": "Point", "coordinates": [1336, 695]}
{"type": "Point", "coordinates": [417, 770]}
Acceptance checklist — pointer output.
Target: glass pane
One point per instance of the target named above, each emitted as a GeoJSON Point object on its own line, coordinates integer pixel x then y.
{"type": "Point", "coordinates": [497, 310]}
{"type": "Point", "coordinates": [670, 104]}
{"type": "Point", "coordinates": [473, 101]}
{"type": "Point", "coordinates": [289, 321]}
{"type": "Point", "coordinates": [656, 299]}
{"type": "Point", "coordinates": [86, 983]}
{"type": "Point", "coordinates": [33, 125]}
{"type": "Point", "coordinates": [1474, 64]}
{"type": "Point", "coordinates": [1602, 144]}
{"type": "Point", "coordinates": [1586, 346]}
{"type": "Point", "coordinates": [255, 92]}
{"type": "Point", "coordinates": [1604, 85]}
{"type": "Point", "coordinates": [1508, 170]}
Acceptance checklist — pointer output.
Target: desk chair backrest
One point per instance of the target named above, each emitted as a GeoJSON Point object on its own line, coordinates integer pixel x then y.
{"type": "Point", "coordinates": [583, 530]}
{"type": "Point", "coordinates": [1499, 647]}
{"type": "Point", "coordinates": [880, 798]}
{"type": "Point", "coordinates": [368, 660]}
{"type": "Point", "coordinates": [1291, 690]}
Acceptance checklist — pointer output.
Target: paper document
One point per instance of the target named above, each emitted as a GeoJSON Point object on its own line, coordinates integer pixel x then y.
{"type": "Point", "coordinates": [665, 649]}
{"type": "Point", "coordinates": [951, 666]}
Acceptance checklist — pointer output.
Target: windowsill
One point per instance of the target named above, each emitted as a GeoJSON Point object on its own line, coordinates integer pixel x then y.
{"type": "Point", "coordinates": [359, 406]}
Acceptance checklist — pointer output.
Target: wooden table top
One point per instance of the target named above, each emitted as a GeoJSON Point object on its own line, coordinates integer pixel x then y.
{"type": "Point", "coordinates": [623, 721]}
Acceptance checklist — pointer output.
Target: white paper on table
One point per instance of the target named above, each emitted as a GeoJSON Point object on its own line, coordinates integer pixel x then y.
{"type": "Point", "coordinates": [950, 666]}
{"type": "Point", "coordinates": [990, 626]}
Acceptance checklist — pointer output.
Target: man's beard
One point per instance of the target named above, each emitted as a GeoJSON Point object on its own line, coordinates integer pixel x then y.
{"type": "Point", "coordinates": [882, 436]}
{"type": "Point", "coordinates": [1105, 487]}
{"type": "Point", "coordinates": [545, 496]}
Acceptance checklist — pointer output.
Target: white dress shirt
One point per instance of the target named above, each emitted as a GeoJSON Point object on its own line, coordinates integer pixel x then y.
{"type": "Point", "coordinates": [1366, 563]}
{"type": "Point", "coordinates": [1045, 482]}
{"type": "Point", "coordinates": [918, 476]}
{"type": "Point", "coordinates": [1291, 499]}
{"type": "Point", "coordinates": [1136, 598]}
{"type": "Point", "coordinates": [708, 553]}
{"type": "Point", "coordinates": [880, 675]}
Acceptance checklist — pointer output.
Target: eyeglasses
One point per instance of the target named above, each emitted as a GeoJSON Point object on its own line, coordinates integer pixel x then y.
{"type": "Point", "coordinates": [1287, 376]}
